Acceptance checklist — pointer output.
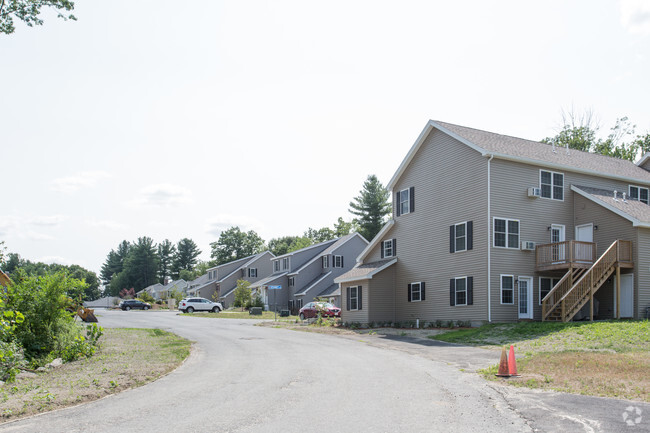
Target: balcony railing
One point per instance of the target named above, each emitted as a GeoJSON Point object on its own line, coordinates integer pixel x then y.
{"type": "Point", "coordinates": [565, 255]}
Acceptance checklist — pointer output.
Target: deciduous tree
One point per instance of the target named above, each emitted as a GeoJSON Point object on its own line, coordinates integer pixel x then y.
{"type": "Point", "coordinates": [29, 12]}
{"type": "Point", "coordinates": [233, 244]}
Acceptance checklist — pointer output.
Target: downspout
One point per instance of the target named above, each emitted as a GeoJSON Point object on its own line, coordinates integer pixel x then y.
{"type": "Point", "coordinates": [489, 247]}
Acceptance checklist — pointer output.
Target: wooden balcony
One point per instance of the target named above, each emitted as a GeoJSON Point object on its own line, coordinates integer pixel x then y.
{"type": "Point", "coordinates": [565, 255]}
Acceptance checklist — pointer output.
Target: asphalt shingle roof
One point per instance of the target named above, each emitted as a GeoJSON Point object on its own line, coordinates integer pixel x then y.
{"type": "Point", "coordinates": [633, 208]}
{"type": "Point", "coordinates": [534, 150]}
{"type": "Point", "coordinates": [363, 271]}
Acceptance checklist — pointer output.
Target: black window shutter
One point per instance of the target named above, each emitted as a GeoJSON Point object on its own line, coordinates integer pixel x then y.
{"type": "Point", "coordinates": [422, 298]}
{"type": "Point", "coordinates": [394, 247]}
{"type": "Point", "coordinates": [470, 290]}
{"type": "Point", "coordinates": [470, 235]}
{"type": "Point", "coordinates": [342, 261]}
{"type": "Point", "coordinates": [452, 292]}
{"type": "Point", "coordinates": [452, 238]}
{"type": "Point", "coordinates": [347, 306]}
{"type": "Point", "coordinates": [397, 204]}
{"type": "Point", "coordinates": [382, 249]}
{"type": "Point", "coordinates": [412, 199]}
{"type": "Point", "coordinates": [359, 297]}
{"type": "Point", "coordinates": [409, 292]}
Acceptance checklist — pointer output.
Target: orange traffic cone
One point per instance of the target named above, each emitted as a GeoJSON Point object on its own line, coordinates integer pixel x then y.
{"type": "Point", "coordinates": [503, 364]}
{"type": "Point", "coordinates": [512, 363]}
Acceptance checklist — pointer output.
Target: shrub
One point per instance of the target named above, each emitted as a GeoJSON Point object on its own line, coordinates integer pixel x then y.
{"type": "Point", "coordinates": [146, 297]}
{"type": "Point", "coordinates": [80, 346]}
{"type": "Point", "coordinates": [11, 360]}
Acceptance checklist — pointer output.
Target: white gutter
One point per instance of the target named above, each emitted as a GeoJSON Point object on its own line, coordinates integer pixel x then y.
{"type": "Point", "coordinates": [489, 254]}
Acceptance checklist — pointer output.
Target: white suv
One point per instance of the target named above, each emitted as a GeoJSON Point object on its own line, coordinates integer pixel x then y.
{"type": "Point", "coordinates": [190, 305]}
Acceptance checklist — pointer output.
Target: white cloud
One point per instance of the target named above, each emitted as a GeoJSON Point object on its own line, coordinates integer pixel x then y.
{"type": "Point", "coordinates": [8, 224]}
{"type": "Point", "coordinates": [36, 236]}
{"type": "Point", "coordinates": [635, 16]}
{"type": "Point", "coordinates": [220, 223]}
{"type": "Point", "coordinates": [49, 221]}
{"type": "Point", "coordinates": [55, 259]}
{"type": "Point", "coordinates": [85, 179]}
{"type": "Point", "coordinates": [162, 195]}
{"type": "Point", "coordinates": [106, 224]}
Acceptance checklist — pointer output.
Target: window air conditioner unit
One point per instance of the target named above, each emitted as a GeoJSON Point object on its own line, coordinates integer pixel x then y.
{"type": "Point", "coordinates": [527, 245]}
{"type": "Point", "coordinates": [534, 192]}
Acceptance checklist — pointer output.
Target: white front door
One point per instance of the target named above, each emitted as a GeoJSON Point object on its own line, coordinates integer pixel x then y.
{"type": "Point", "coordinates": [627, 295]}
{"type": "Point", "coordinates": [557, 235]}
{"type": "Point", "coordinates": [585, 233]}
{"type": "Point", "coordinates": [525, 292]}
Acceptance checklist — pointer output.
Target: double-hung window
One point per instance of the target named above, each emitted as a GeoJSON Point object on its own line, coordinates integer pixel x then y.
{"type": "Point", "coordinates": [551, 184]}
{"type": "Point", "coordinates": [388, 248]}
{"type": "Point", "coordinates": [507, 289]}
{"type": "Point", "coordinates": [252, 272]}
{"type": "Point", "coordinates": [337, 261]}
{"type": "Point", "coordinates": [276, 266]}
{"type": "Point", "coordinates": [405, 201]}
{"type": "Point", "coordinates": [354, 298]}
{"type": "Point", "coordinates": [460, 237]}
{"type": "Point", "coordinates": [326, 262]}
{"type": "Point", "coordinates": [291, 281]}
{"type": "Point", "coordinates": [416, 292]}
{"type": "Point", "coordinates": [639, 193]}
{"type": "Point", "coordinates": [285, 263]}
{"type": "Point", "coordinates": [506, 233]}
{"type": "Point", "coordinates": [461, 291]}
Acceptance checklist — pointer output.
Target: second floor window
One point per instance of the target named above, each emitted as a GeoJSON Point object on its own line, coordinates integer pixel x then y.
{"type": "Point", "coordinates": [326, 262]}
{"type": "Point", "coordinates": [551, 184]}
{"type": "Point", "coordinates": [506, 233]}
{"type": "Point", "coordinates": [405, 201]}
{"type": "Point", "coordinates": [388, 248]}
{"type": "Point", "coordinates": [276, 266]}
{"type": "Point", "coordinates": [252, 272]}
{"type": "Point", "coordinates": [460, 237]}
{"type": "Point", "coordinates": [291, 281]}
{"type": "Point", "coordinates": [337, 261]}
{"type": "Point", "coordinates": [285, 263]}
{"type": "Point", "coordinates": [639, 193]}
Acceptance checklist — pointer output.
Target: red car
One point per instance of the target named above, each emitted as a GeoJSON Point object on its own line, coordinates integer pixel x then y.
{"type": "Point", "coordinates": [326, 309]}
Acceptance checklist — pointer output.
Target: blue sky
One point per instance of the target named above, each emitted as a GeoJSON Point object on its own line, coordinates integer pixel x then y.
{"type": "Point", "coordinates": [172, 120]}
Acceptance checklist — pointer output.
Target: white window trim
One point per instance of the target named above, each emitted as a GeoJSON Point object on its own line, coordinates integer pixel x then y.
{"type": "Point", "coordinates": [456, 250]}
{"type": "Point", "coordinates": [639, 188]}
{"type": "Point", "coordinates": [552, 185]}
{"type": "Point", "coordinates": [456, 291]}
{"type": "Point", "coordinates": [326, 262]}
{"type": "Point", "coordinates": [408, 201]}
{"type": "Point", "coordinates": [252, 271]}
{"type": "Point", "coordinates": [276, 266]}
{"type": "Point", "coordinates": [494, 238]}
{"type": "Point", "coordinates": [419, 283]}
{"type": "Point", "coordinates": [334, 264]}
{"type": "Point", "coordinates": [285, 263]}
{"type": "Point", "coordinates": [356, 297]}
{"type": "Point", "coordinates": [383, 246]}
{"type": "Point", "coordinates": [501, 289]}
{"type": "Point", "coordinates": [539, 286]}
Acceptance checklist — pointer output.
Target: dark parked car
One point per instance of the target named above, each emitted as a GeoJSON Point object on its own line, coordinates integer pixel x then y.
{"type": "Point", "coordinates": [326, 309]}
{"type": "Point", "coordinates": [134, 303]}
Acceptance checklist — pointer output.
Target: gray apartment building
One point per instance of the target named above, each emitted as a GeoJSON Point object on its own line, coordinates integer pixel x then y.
{"type": "Point", "coordinates": [493, 228]}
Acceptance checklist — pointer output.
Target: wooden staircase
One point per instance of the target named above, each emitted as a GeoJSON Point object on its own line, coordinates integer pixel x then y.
{"type": "Point", "coordinates": [578, 285]}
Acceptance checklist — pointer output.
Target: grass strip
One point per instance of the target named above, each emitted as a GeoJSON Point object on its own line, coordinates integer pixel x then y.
{"type": "Point", "coordinates": [607, 359]}
{"type": "Point", "coordinates": [127, 358]}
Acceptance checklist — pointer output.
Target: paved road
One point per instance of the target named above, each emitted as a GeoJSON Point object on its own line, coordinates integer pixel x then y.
{"type": "Point", "coordinates": [243, 378]}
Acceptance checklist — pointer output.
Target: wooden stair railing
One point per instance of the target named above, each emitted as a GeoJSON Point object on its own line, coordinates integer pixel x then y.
{"type": "Point", "coordinates": [577, 287]}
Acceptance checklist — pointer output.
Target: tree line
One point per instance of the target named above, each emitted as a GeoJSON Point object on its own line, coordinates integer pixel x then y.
{"type": "Point", "coordinates": [142, 263]}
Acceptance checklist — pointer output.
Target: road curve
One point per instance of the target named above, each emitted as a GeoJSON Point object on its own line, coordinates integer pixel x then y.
{"type": "Point", "coordinates": [245, 378]}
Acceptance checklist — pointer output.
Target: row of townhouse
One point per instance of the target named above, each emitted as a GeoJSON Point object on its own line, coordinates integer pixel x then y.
{"type": "Point", "coordinates": [505, 229]}
{"type": "Point", "coordinates": [301, 276]}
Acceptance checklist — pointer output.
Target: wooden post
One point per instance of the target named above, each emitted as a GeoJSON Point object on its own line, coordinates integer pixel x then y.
{"type": "Point", "coordinates": [618, 292]}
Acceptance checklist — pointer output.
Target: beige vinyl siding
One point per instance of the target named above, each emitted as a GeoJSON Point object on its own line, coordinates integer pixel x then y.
{"type": "Point", "coordinates": [450, 181]}
{"type": "Point", "coordinates": [360, 316]}
{"type": "Point", "coordinates": [382, 306]}
{"type": "Point", "coordinates": [642, 272]}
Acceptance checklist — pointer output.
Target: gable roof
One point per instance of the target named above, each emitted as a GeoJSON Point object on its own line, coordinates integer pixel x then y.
{"type": "Point", "coordinates": [375, 240]}
{"type": "Point", "coordinates": [529, 152]}
{"type": "Point", "coordinates": [312, 283]}
{"type": "Point", "coordinates": [306, 248]}
{"type": "Point", "coordinates": [632, 210]}
{"type": "Point", "coordinates": [365, 271]}
{"type": "Point", "coordinates": [329, 250]}
{"type": "Point", "coordinates": [248, 261]}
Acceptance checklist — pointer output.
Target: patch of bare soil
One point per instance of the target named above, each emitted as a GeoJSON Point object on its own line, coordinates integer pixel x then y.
{"type": "Point", "coordinates": [118, 365]}
{"type": "Point", "coordinates": [619, 375]}
{"type": "Point", "coordinates": [307, 327]}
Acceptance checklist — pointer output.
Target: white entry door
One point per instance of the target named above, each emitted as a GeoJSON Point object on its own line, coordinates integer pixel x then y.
{"type": "Point", "coordinates": [525, 292]}
{"type": "Point", "coordinates": [627, 295]}
{"type": "Point", "coordinates": [585, 233]}
{"type": "Point", "coordinates": [557, 235]}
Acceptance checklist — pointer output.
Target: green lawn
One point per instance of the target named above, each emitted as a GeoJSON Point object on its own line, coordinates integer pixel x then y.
{"type": "Point", "coordinates": [609, 359]}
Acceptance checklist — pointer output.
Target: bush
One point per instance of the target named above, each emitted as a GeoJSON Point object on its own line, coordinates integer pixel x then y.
{"type": "Point", "coordinates": [48, 311]}
{"type": "Point", "coordinates": [80, 346]}
{"type": "Point", "coordinates": [146, 297]}
{"type": "Point", "coordinates": [11, 360]}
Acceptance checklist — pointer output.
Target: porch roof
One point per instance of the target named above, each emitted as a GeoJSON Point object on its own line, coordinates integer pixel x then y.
{"type": "Point", "coordinates": [365, 271]}
{"type": "Point", "coordinates": [633, 210]}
